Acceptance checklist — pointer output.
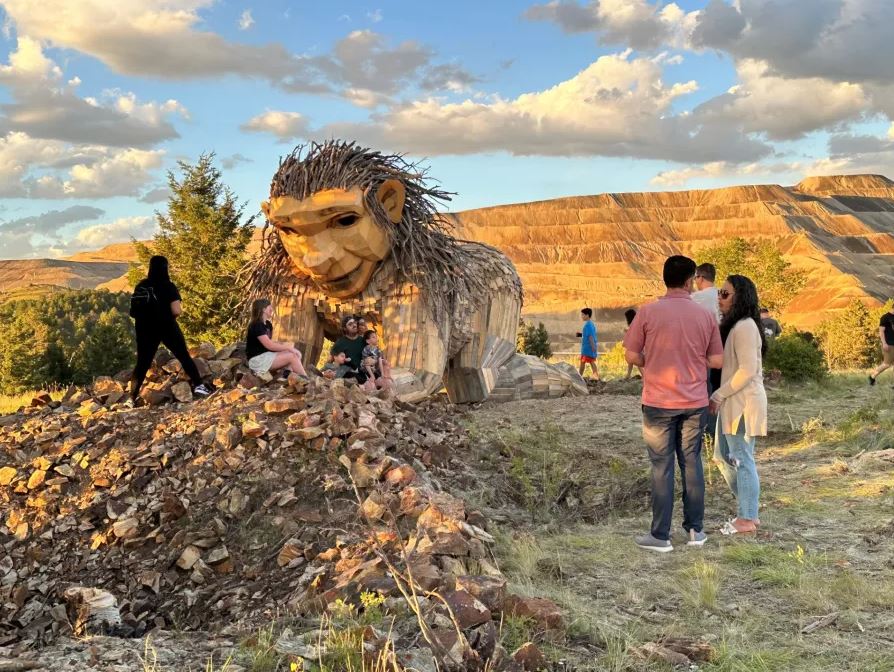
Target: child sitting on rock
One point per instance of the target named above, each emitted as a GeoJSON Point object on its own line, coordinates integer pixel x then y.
{"type": "Point", "coordinates": [337, 366]}
{"type": "Point", "coordinates": [372, 356]}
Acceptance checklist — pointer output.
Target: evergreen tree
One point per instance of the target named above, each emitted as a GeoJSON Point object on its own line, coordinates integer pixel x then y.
{"type": "Point", "coordinates": [107, 349]}
{"type": "Point", "coordinates": [204, 238]}
{"type": "Point", "coordinates": [850, 339]}
{"type": "Point", "coordinates": [535, 341]}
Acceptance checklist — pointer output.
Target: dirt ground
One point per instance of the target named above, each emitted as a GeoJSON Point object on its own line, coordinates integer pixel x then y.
{"type": "Point", "coordinates": [824, 552]}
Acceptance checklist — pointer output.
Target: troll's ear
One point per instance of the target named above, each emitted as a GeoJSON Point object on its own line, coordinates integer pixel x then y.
{"type": "Point", "coordinates": [391, 195]}
{"type": "Point", "coordinates": [265, 208]}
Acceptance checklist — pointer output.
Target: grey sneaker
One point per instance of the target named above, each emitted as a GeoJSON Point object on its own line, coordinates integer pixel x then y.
{"type": "Point", "coordinates": [696, 538]}
{"type": "Point", "coordinates": [650, 543]}
{"type": "Point", "coordinates": [201, 390]}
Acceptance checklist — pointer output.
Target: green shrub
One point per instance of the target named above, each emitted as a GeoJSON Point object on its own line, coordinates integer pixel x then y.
{"type": "Point", "coordinates": [850, 339]}
{"type": "Point", "coordinates": [533, 340]}
{"type": "Point", "coordinates": [796, 358]}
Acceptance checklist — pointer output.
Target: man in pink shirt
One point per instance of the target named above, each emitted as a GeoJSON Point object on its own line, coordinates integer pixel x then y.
{"type": "Point", "coordinates": [675, 341]}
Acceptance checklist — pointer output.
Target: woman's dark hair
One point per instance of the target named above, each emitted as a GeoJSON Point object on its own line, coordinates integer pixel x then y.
{"type": "Point", "coordinates": [258, 307]}
{"type": "Point", "coordinates": [158, 270]}
{"type": "Point", "coordinates": [745, 306]}
{"type": "Point", "coordinates": [629, 314]}
{"type": "Point", "coordinates": [367, 334]}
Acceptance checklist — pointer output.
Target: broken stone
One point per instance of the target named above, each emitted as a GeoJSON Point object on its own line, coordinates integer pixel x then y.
{"type": "Point", "coordinates": [544, 612]}
{"type": "Point", "coordinates": [283, 405]}
{"type": "Point", "coordinates": [36, 479]}
{"type": "Point", "coordinates": [467, 611]}
{"type": "Point", "coordinates": [491, 590]}
{"type": "Point", "coordinates": [6, 475]}
{"type": "Point", "coordinates": [189, 557]}
{"type": "Point", "coordinates": [182, 391]}
{"type": "Point", "coordinates": [126, 529]}
{"type": "Point", "coordinates": [529, 657]}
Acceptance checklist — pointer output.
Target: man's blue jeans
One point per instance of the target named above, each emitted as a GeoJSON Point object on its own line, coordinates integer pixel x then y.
{"type": "Point", "coordinates": [734, 456]}
{"type": "Point", "coordinates": [671, 433]}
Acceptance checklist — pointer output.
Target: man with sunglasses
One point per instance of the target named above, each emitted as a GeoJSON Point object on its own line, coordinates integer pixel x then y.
{"type": "Point", "coordinates": [675, 341]}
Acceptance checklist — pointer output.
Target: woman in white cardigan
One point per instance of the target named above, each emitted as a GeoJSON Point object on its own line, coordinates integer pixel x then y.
{"type": "Point", "coordinates": [740, 402]}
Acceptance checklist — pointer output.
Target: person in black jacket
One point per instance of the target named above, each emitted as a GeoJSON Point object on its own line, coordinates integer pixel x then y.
{"type": "Point", "coordinates": [155, 306]}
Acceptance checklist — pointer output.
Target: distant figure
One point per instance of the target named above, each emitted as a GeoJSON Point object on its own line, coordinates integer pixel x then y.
{"type": "Point", "coordinates": [674, 341]}
{"type": "Point", "coordinates": [263, 353]}
{"type": "Point", "coordinates": [770, 326]}
{"type": "Point", "coordinates": [741, 400]}
{"type": "Point", "coordinates": [629, 314]}
{"type": "Point", "coordinates": [155, 306]}
{"type": "Point", "coordinates": [886, 336]}
{"type": "Point", "coordinates": [588, 346]}
{"type": "Point", "coordinates": [706, 297]}
{"type": "Point", "coordinates": [706, 293]}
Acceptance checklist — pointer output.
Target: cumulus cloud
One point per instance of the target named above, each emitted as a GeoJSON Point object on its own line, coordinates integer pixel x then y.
{"type": "Point", "coordinates": [617, 106]}
{"type": "Point", "coordinates": [719, 169]}
{"type": "Point", "coordinates": [284, 125]}
{"type": "Point", "coordinates": [44, 107]}
{"type": "Point", "coordinates": [784, 109]}
{"type": "Point", "coordinates": [164, 40]}
{"type": "Point", "coordinates": [841, 40]}
{"type": "Point", "coordinates": [635, 23]}
{"type": "Point", "coordinates": [119, 231]}
{"type": "Point", "coordinates": [36, 168]}
{"type": "Point", "coordinates": [156, 195]}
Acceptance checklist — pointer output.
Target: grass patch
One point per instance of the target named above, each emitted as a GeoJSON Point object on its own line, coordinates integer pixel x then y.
{"type": "Point", "coordinates": [774, 566]}
{"type": "Point", "coordinates": [699, 584]}
{"type": "Point", "coordinates": [10, 403]}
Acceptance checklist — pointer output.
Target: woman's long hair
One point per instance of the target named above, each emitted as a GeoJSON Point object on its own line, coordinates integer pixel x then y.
{"type": "Point", "coordinates": [258, 307]}
{"type": "Point", "coordinates": [745, 306]}
{"type": "Point", "coordinates": [158, 270]}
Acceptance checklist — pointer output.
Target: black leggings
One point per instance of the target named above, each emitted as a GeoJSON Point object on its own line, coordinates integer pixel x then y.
{"type": "Point", "coordinates": [149, 337]}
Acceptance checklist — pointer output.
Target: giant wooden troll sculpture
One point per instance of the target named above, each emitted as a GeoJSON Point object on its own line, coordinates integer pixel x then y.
{"type": "Point", "coordinates": [355, 232]}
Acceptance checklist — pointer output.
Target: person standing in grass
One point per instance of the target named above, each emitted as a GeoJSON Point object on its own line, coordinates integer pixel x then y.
{"type": "Point", "coordinates": [674, 341]}
{"type": "Point", "coordinates": [588, 346]}
{"type": "Point", "coordinates": [886, 336]}
{"type": "Point", "coordinates": [741, 401]}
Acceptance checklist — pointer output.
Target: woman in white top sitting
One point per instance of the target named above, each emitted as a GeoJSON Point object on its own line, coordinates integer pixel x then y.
{"type": "Point", "coordinates": [741, 401]}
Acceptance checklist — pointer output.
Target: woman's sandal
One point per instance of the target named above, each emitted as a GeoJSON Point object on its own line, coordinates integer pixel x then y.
{"type": "Point", "coordinates": [729, 529]}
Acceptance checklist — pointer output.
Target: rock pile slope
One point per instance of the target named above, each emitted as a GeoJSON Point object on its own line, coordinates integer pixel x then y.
{"type": "Point", "coordinates": [264, 499]}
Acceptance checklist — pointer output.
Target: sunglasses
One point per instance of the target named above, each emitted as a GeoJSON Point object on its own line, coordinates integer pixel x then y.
{"type": "Point", "coordinates": [724, 294]}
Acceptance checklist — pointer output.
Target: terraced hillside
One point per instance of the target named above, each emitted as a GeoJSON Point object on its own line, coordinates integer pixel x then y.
{"type": "Point", "coordinates": [606, 251]}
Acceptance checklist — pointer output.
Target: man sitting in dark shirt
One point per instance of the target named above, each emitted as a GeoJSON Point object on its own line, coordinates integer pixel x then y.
{"type": "Point", "coordinates": [352, 345]}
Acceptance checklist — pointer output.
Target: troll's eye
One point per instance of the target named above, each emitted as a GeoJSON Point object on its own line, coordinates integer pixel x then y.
{"type": "Point", "coordinates": [346, 220]}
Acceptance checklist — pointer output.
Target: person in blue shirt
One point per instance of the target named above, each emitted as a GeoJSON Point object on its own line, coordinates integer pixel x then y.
{"type": "Point", "coordinates": [588, 352]}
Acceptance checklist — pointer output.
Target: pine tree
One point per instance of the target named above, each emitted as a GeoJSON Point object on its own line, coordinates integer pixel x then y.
{"type": "Point", "coordinates": [107, 349]}
{"type": "Point", "coordinates": [204, 238]}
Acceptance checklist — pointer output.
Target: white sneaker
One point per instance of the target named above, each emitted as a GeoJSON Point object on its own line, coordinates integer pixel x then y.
{"type": "Point", "coordinates": [201, 390]}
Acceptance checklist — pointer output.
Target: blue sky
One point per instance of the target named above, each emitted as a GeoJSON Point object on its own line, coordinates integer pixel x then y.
{"type": "Point", "coordinates": [505, 101]}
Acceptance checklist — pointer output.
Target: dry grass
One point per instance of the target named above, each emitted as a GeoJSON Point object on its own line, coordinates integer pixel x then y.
{"type": "Point", "coordinates": [10, 403]}
{"type": "Point", "coordinates": [825, 545]}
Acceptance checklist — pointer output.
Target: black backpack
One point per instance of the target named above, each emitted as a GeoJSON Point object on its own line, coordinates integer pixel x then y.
{"type": "Point", "coordinates": [143, 302]}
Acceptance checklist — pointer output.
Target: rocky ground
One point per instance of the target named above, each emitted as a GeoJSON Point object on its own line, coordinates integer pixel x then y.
{"type": "Point", "coordinates": [288, 501]}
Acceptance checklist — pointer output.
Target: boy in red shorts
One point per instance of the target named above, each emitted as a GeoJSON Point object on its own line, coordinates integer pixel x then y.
{"type": "Point", "coordinates": [588, 351]}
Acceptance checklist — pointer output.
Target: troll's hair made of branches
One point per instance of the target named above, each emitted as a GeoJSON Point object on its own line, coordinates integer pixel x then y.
{"type": "Point", "coordinates": [423, 251]}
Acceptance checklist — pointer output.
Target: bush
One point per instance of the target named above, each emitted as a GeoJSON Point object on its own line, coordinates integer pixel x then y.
{"type": "Point", "coordinates": [533, 340]}
{"type": "Point", "coordinates": [796, 358]}
{"type": "Point", "coordinates": [850, 339]}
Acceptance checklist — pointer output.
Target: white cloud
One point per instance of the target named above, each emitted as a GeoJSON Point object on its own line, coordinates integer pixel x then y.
{"type": "Point", "coordinates": [123, 173]}
{"type": "Point", "coordinates": [839, 40]}
{"type": "Point", "coordinates": [635, 23]}
{"type": "Point", "coordinates": [720, 169]}
{"type": "Point", "coordinates": [784, 109]}
{"type": "Point", "coordinates": [375, 15]}
{"type": "Point", "coordinates": [284, 125]}
{"type": "Point", "coordinates": [42, 106]}
{"type": "Point", "coordinates": [119, 231]}
{"type": "Point", "coordinates": [246, 20]}
{"type": "Point", "coordinates": [617, 106]}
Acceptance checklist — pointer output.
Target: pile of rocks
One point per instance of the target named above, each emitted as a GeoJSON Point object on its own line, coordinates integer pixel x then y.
{"type": "Point", "coordinates": [262, 499]}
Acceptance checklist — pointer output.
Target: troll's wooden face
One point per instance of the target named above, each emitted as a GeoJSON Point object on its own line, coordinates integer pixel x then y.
{"type": "Point", "coordinates": [333, 237]}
